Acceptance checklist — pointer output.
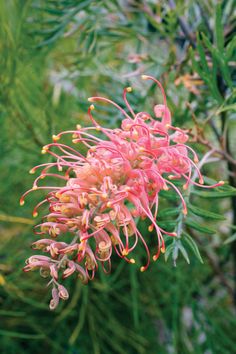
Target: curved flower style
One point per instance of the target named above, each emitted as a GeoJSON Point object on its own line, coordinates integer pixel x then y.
{"type": "Point", "coordinates": [117, 181]}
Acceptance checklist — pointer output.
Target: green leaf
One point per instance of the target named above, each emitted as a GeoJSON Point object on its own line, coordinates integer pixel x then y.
{"type": "Point", "coordinates": [168, 225]}
{"type": "Point", "coordinates": [66, 18]}
{"type": "Point", "coordinates": [168, 212]}
{"type": "Point", "coordinates": [169, 195]}
{"type": "Point", "coordinates": [219, 29]}
{"type": "Point", "coordinates": [175, 252]}
{"type": "Point", "coordinates": [205, 213]}
{"type": "Point", "coordinates": [174, 249]}
{"type": "Point", "coordinates": [230, 107]}
{"type": "Point", "coordinates": [209, 76]}
{"type": "Point", "coordinates": [226, 188]}
{"type": "Point", "coordinates": [230, 239]}
{"type": "Point", "coordinates": [230, 49]}
{"type": "Point", "coordinates": [215, 194]}
{"type": "Point", "coordinates": [184, 252]}
{"type": "Point", "coordinates": [48, 10]}
{"type": "Point", "coordinates": [195, 225]}
{"type": "Point", "coordinates": [214, 83]}
{"type": "Point", "coordinates": [196, 65]}
{"type": "Point", "coordinates": [192, 244]}
{"type": "Point", "coordinates": [219, 57]}
{"type": "Point", "coordinates": [202, 55]}
{"type": "Point", "coordinates": [53, 38]}
{"type": "Point", "coordinates": [20, 335]}
{"type": "Point", "coordinates": [169, 250]}
{"type": "Point", "coordinates": [159, 27]}
{"type": "Point", "coordinates": [134, 295]}
{"type": "Point", "coordinates": [90, 41]}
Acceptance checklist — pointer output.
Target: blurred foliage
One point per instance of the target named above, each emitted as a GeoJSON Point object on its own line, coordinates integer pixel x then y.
{"type": "Point", "coordinates": [55, 54]}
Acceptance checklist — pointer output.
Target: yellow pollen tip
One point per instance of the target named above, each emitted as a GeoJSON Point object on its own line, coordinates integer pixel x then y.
{"type": "Point", "coordinates": [141, 149]}
{"type": "Point", "coordinates": [170, 177]}
{"type": "Point", "coordinates": [35, 214]}
{"type": "Point", "coordinates": [185, 187]}
{"type": "Point", "coordinates": [221, 183]}
{"type": "Point", "coordinates": [109, 204]}
{"type": "Point", "coordinates": [129, 89]}
{"type": "Point", "coordinates": [184, 211]}
{"type": "Point", "coordinates": [104, 195]}
{"type": "Point", "coordinates": [78, 127]}
{"type": "Point", "coordinates": [55, 137]}
{"type": "Point", "coordinates": [93, 148]}
{"type": "Point", "coordinates": [125, 252]}
{"type": "Point", "coordinates": [201, 181]}
{"type": "Point", "coordinates": [142, 269]}
{"type": "Point", "coordinates": [74, 136]}
{"type": "Point", "coordinates": [144, 77]}
{"type": "Point", "coordinates": [196, 160]}
{"type": "Point", "coordinates": [32, 171]}
{"type": "Point", "coordinates": [167, 126]}
{"type": "Point", "coordinates": [92, 107]}
{"type": "Point", "coordinates": [150, 228]}
{"type": "Point", "coordinates": [22, 202]}
{"type": "Point", "coordinates": [98, 129]}
{"type": "Point", "coordinates": [166, 188]}
{"type": "Point", "coordinates": [90, 99]}
{"type": "Point", "coordinates": [154, 258]}
{"type": "Point", "coordinates": [42, 176]}
{"type": "Point", "coordinates": [174, 234]}
{"type": "Point", "coordinates": [163, 249]}
{"type": "Point", "coordinates": [132, 260]}
{"type": "Point", "coordinates": [34, 188]}
{"type": "Point", "coordinates": [74, 141]}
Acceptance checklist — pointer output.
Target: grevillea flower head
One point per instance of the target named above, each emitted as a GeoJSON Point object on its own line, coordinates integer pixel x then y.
{"type": "Point", "coordinates": [117, 181]}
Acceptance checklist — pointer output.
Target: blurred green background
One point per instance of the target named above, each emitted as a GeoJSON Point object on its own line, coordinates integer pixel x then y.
{"type": "Point", "coordinates": [55, 54]}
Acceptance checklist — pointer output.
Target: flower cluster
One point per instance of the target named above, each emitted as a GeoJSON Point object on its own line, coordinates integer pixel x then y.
{"type": "Point", "coordinates": [106, 190]}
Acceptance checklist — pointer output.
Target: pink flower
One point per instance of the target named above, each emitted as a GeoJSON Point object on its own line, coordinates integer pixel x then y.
{"type": "Point", "coordinates": [129, 168]}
